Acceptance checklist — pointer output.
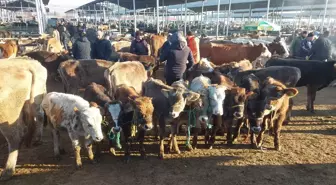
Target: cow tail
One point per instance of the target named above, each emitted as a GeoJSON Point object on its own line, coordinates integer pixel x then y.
{"type": "Point", "coordinates": [29, 112]}
{"type": "Point", "coordinates": [64, 80]}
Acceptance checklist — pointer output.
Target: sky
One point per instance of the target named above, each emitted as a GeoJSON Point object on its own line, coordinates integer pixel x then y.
{"type": "Point", "coordinates": [61, 6]}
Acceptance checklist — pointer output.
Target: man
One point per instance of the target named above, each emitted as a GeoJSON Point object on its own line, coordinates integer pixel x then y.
{"type": "Point", "coordinates": [102, 48]}
{"type": "Point", "coordinates": [306, 45]}
{"type": "Point", "coordinates": [192, 44]}
{"type": "Point", "coordinates": [166, 45]}
{"type": "Point", "coordinates": [178, 57]}
{"type": "Point", "coordinates": [139, 46]}
{"type": "Point", "coordinates": [65, 38]}
{"type": "Point", "coordinates": [81, 49]}
{"type": "Point", "coordinates": [321, 49]}
{"type": "Point", "coordinates": [296, 44]}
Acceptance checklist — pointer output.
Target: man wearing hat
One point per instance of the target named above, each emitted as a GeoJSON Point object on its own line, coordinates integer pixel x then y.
{"type": "Point", "coordinates": [139, 46]}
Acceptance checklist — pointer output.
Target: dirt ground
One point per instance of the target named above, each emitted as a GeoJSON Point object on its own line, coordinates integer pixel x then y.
{"type": "Point", "coordinates": [308, 157]}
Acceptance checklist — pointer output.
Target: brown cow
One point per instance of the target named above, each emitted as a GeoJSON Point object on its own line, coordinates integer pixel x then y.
{"type": "Point", "coordinates": [220, 54]}
{"type": "Point", "coordinates": [23, 85]}
{"type": "Point", "coordinates": [77, 74]}
{"type": "Point", "coordinates": [121, 46]}
{"type": "Point", "coordinates": [156, 42]}
{"type": "Point", "coordinates": [132, 74]}
{"type": "Point", "coordinates": [268, 110]}
{"type": "Point", "coordinates": [9, 49]}
{"type": "Point", "coordinates": [51, 61]}
{"type": "Point", "coordinates": [137, 114]}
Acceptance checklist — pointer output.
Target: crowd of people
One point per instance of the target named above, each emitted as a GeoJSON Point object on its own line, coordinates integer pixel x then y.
{"type": "Point", "coordinates": [306, 46]}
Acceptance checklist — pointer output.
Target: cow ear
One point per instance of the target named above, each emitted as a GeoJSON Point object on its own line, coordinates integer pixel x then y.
{"type": "Point", "coordinates": [191, 96]}
{"type": "Point", "coordinates": [291, 92]}
{"type": "Point", "coordinates": [165, 92]}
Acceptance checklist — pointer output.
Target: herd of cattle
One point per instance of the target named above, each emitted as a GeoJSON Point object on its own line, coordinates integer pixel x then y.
{"type": "Point", "coordinates": [244, 84]}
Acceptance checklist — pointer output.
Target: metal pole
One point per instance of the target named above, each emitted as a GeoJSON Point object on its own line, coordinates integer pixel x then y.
{"type": "Point", "coordinates": [282, 6]}
{"type": "Point", "coordinates": [228, 20]}
{"type": "Point", "coordinates": [217, 26]}
{"type": "Point", "coordinates": [250, 13]}
{"type": "Point", "coordinates": [310, 17]}
{"type": "Point", "coordinates": [21, 10]}
{"type": "Point", "coordinates": [167, 16]}
{"type": "Point", "coordinates": [163, 15]}
{"type": "Point", "coordinates": [268, 6]}
{"type": "Point", "coordinates": [157, 17]}
{"type": "Point", "coordinates": [202, 15]}
{"type": "Point", "coordinates": [324, 15]}
{"type": "Point", "coordinates": [135, 18]}
{"type": "Point", "coordinates": [185, 19]}
{"type": "Point", "coordinates": [300, 17]}
{"type": "Point", "coordinates": [119, 17]}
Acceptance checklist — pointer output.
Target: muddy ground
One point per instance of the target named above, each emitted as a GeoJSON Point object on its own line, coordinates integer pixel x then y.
{"type": "Point", "coordinates": [308, 157]}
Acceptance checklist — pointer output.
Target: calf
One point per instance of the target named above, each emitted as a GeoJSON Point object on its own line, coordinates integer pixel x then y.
{"type": "Point", "coordinates": [9, 49]}
{"type": "Point", "coordinates": [316, 75]}
{"type": "Point", "coordinates": [79, 118]}
{"type": "Point", "coordinates": [168, 103]}
{"type": "Point", "coordinates": [268, 110]}
{"type": "Point", "coordinates": [137, 114]}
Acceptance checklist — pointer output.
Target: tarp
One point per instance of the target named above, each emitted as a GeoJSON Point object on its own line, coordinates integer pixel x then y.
{"type": "Point", "coordinates": [261, 26]}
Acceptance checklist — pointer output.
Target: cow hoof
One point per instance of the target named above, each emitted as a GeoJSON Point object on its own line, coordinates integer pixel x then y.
{"type": "Point", "coordinates": [189, 148]}
{"type": "Point", "coordinates": [113, 152]}
{"type": "Point", "coordinates": [285, 122]}
{"type": "Point", "coordinates": [277, 147]}
{"type": "Point", "coordinates": [178, 151]}
{"type": "Point", "coordinates": [161, 156]}
{"type": "Point", "coordinates": [6, 175]}
{"type": "Point", "coordinates": [79, 166]}
{"type": "Point", "coordinates": [119, 146]}
{"type": "Point", "coordinates": [210, 147]}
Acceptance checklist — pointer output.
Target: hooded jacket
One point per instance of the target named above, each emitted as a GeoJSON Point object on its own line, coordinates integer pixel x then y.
{"type": "Point", "coordinates": [178, 57]}
{"type": "Point", "coordinates": [82, 49]}
{"type": "Point", "coordinates": [102, 49]}
{"type": "Point", "coordinates": [321, 49]}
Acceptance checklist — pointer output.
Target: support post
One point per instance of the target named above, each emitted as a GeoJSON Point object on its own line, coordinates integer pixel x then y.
{"type": "Point", "coordinates": [157, 17]}
{"type": "Point", "coordinates": [324, 15]}
{"type": "Point", "coordinates": [268, 6]}
{"type": "Point", "coordinates": [119, 18]}
{"type": "Point", "coordinates": [228, 21]}
{"type": "Point", "coordinates": [202, 16]}
{"type": "Point", "coordinates": [135, 21]}
{"type": "Point", "coordinates": [282, 6]}
{"type": "Point", "coordinates": [217, 26]}
{"type": "Point", "coordinates": [250, 13]}
{"type": "Point", "coordinates": [185, 19]}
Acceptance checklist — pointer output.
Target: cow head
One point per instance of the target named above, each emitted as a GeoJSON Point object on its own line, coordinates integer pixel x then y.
{"type": "Point", "coordinates": [235, 102]}
{"type": "Point", "coordinates": [216, 98]}
{"type": "Point", "coordinates": [114, 108]}
{"type": "Point", "coordinates": [278, 48]}
{"type": "Point", "coordinates": [90, 119]}
{"type": "Point", "coordinates": [264, 56]}
{"type": "Point", "coordinates": [144, 109]}
{"type": "Point", "coordinates": [178, 97]}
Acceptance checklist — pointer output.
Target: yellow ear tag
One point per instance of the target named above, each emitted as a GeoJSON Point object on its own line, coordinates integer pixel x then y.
{"type": "Point", "coordinates": [75, 109]}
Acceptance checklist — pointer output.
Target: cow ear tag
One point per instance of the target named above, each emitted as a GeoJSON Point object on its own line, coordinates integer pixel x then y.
{"type": "Point", "coordinates": [75, 109]}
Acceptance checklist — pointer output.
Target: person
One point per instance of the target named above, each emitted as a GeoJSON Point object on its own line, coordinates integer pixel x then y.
{"type": "Point", "coordinates": [296, 44]}
{"type": "Point", "coordinates": [102, 48]}
{"type": "Point", "coordinates": [321, 49]}
{"type": "Point", "coordinates": [192, 44]}
{"type": "Point", "coordinates": [139, 46]}
{"type": "Point", "coordinates": [166, 44]}
{"type": "Point", "coordinates": [179, 58]}
{"type": "Point", "coordinates": [306, 45]}
{"type": "Point", "coordinates": [56, 35]}
{"type": "Point", "coordinates": [65, 38]}
{"type": "Point", "coordinates": [81, 49]}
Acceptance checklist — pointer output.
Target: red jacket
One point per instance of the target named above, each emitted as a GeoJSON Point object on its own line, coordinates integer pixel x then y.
{"type": "Point", "coordinates": [193, 47]}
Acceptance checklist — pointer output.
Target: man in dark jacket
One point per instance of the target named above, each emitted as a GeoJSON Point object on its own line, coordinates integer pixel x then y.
{"type": "Point", "coordinates": [102, 47]}
{"type": "Point", "coordinates": [321, 49]}
{"type": "Point", "coordinates": [139, 46]}
{"type": "Point", "coordinates": [306, 45]}
{"type": "Point", "coordinates": [81, 49]}
{"type": "Point", "coordinates": [179, 58]}
{"type": "Point", "coordinates": [65, 38]}
{"type": "Point", "coordinates": [296, 44]}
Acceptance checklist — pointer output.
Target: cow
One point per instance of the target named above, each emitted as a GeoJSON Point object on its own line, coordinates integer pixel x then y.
{"type": "Point", "coordinates": [168, 103]}
{"type": "Point", "coordinates": [213, 96]}
{"type": "Point", "coordinates": [77, 74]}
{"type": "Point", "coordinates": [51, 61]}
{"type": "Point", "coordinates": [121, 46]}
{"type": "Point", "coordinates": [54, 46]}
{"type": "Point", "coordinates": [278, 48]}
{"type": "Point", "coordinates": [156, 42]}
{"type": "Point", "coordinates": [220, 54]}
{"type": "Point", "coordinates": [79, 117]}
{"type": "Point", "coordinates": [315, 75]}
{"type": "Point", "coordinates": [136, 115]}
{"type": "Point", "coordinates": [23, 85]}
{"type": "Point", "coordinates": [128, 73]}
{"type": "Point", "coordinates": [268, 110]}
{"type": "Point", "coordinates": [98, 94]}
{"type": "Point", "coordinates": [9, 49]}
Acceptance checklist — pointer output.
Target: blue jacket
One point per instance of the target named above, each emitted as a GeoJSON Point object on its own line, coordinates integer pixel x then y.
{"type": "Point", "coordinates": [102, 49]}
{"type": "Point", "coordinates": [305, 47]}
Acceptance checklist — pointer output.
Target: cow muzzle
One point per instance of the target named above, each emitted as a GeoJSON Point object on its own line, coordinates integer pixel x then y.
{"type": "Point", "coordinates": [256, 129]}
{"type": "Point", "coordinates": [148, 127]}
{"type": "Point", "coordinates": [174, 114]}
{"type": "Point", "coordinates": [238, 115]}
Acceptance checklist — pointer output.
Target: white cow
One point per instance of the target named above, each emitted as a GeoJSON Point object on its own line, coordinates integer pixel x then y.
{"type": "Point", "coordinates": [77, 116]}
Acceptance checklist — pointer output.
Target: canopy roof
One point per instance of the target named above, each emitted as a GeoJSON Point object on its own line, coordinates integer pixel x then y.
{"type": "Point", "coordinates": [15, 5]}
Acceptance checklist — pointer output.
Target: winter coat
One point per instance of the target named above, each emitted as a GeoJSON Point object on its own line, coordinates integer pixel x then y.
{"type": "Point", "coordinates": [82, 49]}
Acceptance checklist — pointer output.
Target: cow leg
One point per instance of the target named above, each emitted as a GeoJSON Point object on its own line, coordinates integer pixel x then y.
{"type": "Point", "coordinates": [141, 138]}
{"type": "Point", "coordinates": [260, 138]}
{"type": "Point", "coordinates": [236, 132]}
{"type": "Point", "coordinates": [56, 138]}
{"type": "Point", "coordinates": [289, 112]}
{"type": "Point", "coordinates": [156, 130]}
{"type": "Point", "coordinates": [308, 106]}
{"type": "Point", "coordinates": [229, 139]}
{"type": "Point", "coordinates": [88, 144]}
{"type": "Point", "coordinates": [277, 129]}
{"type": "Point", "coordinates": [127, 134]}
{"type": "Point", "coordinates": [215, 129]}
{"type": "Point", "coordinates": [253, 140]}
{"type": "Point", "coordinates": [76, 145]}
{"type": "Point", "coordinates": [175, 128]}
{"type": "Point", "coordinates": [162, 136]}
{"type": "Point", "coordinates": [13, 152]}
{"type": "Point", "coordinates": [313, 96]}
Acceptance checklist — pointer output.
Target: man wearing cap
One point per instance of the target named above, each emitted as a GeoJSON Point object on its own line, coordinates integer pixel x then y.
{"type": "Point", "coordinates": [296, 44]}
{"type": "Point", "coordinates": [139, 46]}
{"type": "Point", "coordinates": [192, 44]}
{"type": "Point", "coordinates": [102, 48]}
{"type": "Point", "coordinates": [306, 45]}
{"type": "Point", "coordinates": [321, 49]}
{"type": "Point", "coordinates": [82, 47]}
